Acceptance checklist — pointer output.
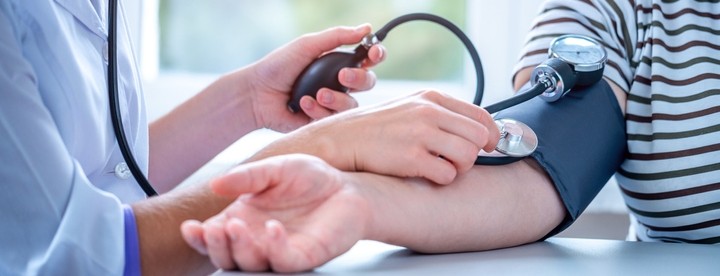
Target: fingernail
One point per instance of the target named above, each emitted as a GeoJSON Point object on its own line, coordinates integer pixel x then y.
{"type": "Point", "coordinates": [306, 104]}
{"type": "Point", "coordinates": [381, 53]}
{"type": "Point", "coordinates": [326, 97]}
{"type": "Point", "coordinates": [349, 75]}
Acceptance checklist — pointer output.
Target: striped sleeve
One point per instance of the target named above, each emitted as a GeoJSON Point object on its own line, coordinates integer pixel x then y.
{"type": "Point", "coordinates": [671, 177]}
{"type": "Point", "coordinates": [604, 21]}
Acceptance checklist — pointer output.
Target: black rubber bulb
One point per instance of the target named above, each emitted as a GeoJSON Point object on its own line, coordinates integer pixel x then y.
{"type": "Point", "coordinates": [323, 72]}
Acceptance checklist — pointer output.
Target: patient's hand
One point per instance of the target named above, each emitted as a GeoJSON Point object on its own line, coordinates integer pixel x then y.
{"type": "Point", "coordinates": [294, 213]}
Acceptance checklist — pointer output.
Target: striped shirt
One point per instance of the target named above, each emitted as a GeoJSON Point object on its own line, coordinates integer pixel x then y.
{"type": "Point", "coordinates": [666, 55]}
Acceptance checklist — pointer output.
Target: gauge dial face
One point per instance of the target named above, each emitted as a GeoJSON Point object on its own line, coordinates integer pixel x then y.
{"type": "Point", "coordinates": [583, 53]}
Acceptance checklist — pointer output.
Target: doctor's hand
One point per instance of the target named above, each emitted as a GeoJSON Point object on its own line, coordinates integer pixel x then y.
{"type": "Point", "coordinates": [273, 76]}
{"type": "Point", "coordinates": [428, 134]}
{"type": "Point", "coordinates": [294, 213]}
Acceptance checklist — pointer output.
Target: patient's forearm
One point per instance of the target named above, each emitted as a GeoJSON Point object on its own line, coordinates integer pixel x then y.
{"type": "Point", "coordinates": [487, 208]}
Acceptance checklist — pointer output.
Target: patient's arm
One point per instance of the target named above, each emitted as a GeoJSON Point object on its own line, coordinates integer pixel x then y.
{"type": "Point", "coordinates": [486, 208]}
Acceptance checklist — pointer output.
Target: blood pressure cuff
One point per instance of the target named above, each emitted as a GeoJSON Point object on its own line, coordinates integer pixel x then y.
{"type": "Point", "coordinates": [581, 142]}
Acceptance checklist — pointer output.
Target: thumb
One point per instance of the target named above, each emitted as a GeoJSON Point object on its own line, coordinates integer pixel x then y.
{"type": "Point", "coordinates": [315, 44]}
{"type": "Point", "coordinates": [248, 178]}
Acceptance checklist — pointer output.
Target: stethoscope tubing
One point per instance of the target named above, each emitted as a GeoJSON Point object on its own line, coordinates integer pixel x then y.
{"type": "Point", "coordinates": [115, 105]}
{"type": "Point", "coordinates": [521, 97]}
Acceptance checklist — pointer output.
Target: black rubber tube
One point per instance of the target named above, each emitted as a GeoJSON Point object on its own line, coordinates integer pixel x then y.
{"type": "Point", "coordinates": [479, 74]}
{"type": "Point", "coordinates": [115, 105]}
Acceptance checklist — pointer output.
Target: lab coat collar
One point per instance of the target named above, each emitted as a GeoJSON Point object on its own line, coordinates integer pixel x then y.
{"type": "Point", "coordinates": [86, 13]}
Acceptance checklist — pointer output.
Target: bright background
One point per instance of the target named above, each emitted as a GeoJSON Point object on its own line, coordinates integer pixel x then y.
{"type": "Point", "coordinates": [183, 45]}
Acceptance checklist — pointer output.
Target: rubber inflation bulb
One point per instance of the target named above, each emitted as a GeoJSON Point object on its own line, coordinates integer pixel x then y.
{"type": "Point", "coordinates": [323, 72]}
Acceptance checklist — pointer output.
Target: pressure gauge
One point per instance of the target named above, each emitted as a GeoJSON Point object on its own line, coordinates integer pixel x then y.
{"type": "Point", "coordinates": [574, 60]}
{"type": "Point", "coordinates": [584, 54]}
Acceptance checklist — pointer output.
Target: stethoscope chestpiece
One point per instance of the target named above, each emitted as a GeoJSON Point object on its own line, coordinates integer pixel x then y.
{"type": "Point", "coordinates": [516, 138]}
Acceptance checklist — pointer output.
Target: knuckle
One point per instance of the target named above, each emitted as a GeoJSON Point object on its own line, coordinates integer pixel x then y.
{"type": "Point", "coordinates": [469, 160]}
{"type": "Point", "coordinates": [432, 95]}
{"type": "Point", "coordinates": [466, 157]}
{"type": "Point", "coordinates": [427, 110]}
{"type": "Point", "coordinates": [370, 79]}
{"type": "Point", "coordinates": [339, 33]}
{"type": "Point", "coordinates": [482, 136]}
{"type": "Point", "coordinates": [304, 41]}
{"type": "Point", "coordinates": [484, 113]}
{"type": "Point", "coordinates": [337, 29]}
{"type": "Point", "coordinates": [345, 103]}
{"type": "Point", "coordinates": [417, 154]}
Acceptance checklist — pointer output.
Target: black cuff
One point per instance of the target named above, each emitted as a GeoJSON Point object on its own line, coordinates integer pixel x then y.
{"type": "Point", "coordinates": [581, 142]}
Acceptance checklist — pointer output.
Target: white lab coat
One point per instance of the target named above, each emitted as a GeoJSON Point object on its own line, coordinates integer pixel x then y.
{"type": "Point", "coordinates": [61, 202]}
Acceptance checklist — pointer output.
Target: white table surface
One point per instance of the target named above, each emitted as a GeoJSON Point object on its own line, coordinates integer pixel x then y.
{"type": "Point", "coordinates": [556, 256]}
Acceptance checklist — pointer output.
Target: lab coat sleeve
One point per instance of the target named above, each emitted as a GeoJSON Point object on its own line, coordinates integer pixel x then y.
{"type": "Point", "coordinates": [53, 221]}
{"type": "Point", "coordinates": [132, 244]}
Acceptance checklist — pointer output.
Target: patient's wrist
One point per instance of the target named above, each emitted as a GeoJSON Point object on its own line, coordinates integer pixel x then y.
{"type": "Point", "coordinates": [362, 185]}
{"type": "Point", "coordinates": [379, 192]}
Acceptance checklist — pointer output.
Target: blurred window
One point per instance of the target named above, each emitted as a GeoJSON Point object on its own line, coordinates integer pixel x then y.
{"type": "Point", "coordinates": [216, 36]}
